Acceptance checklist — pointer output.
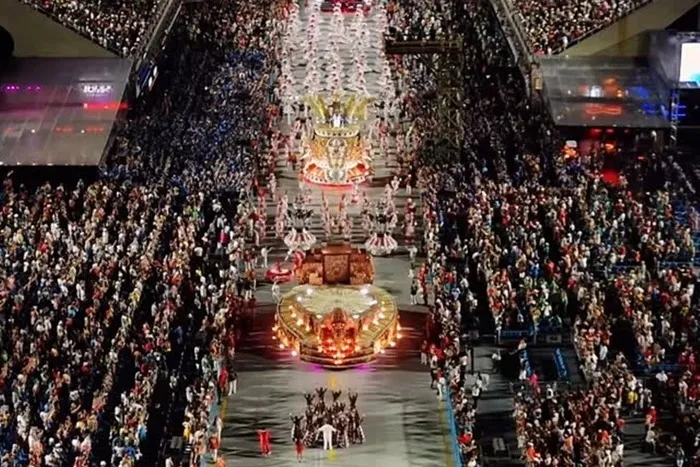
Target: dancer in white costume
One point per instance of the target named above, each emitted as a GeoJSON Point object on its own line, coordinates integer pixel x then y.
{"type": "Point", "coordinates": [280, 219]}
{"type": "Point", "coordinates": [299, 238]}
{"type": "Point", "coordinates": [327, 431]}
{"type": "Point", "coordinates": [381, 242]}
{"type": "Point", "coordinates": [355, 197]}
{"type": "Point", "coordinates": [410, 230]}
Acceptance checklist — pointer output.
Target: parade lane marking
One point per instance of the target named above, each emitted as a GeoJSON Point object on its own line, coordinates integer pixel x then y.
{"type": "Point", "coordinates": [444, 430]}
{"type": "Point", "coordinates": [333, 386]}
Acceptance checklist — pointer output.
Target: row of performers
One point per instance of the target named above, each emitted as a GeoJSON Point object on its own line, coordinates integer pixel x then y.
{"type": "Point", "coordinates": [334, 425]}
{"type": "Point", "coordinates": [380, 219]}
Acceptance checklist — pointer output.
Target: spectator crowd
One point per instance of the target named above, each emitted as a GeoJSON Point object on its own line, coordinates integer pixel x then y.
{"type": "Point", "coordinates": [519, 237]}
{"type": "Point", "coordinates": [118, 25]}
{"type": "Point", "coordinates": [552, 26]}
{"type": "Point", "coordinates": [113, 288]}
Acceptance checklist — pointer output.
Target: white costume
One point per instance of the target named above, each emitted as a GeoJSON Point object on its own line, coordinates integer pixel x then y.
{"type": "Point", "coordinates": [327, 431]}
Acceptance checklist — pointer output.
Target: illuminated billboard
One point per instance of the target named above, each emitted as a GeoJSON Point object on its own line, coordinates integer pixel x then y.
{"type": "Point", "coordinates": [690, 62]}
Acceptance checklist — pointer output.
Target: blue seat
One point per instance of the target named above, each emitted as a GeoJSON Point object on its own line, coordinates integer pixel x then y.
{"type": "Point", "coordinates": [560, 363]}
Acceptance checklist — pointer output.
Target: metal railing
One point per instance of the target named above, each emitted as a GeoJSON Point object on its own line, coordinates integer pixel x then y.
{"type": "Point", "coordinates": [165, 18]}
{"type": "Point", "coordinates": [511, 23]}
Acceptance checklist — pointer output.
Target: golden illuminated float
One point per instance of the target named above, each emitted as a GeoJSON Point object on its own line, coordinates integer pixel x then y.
{"type": "Point", "coordinates": [340, 325]}
{"type": "Point", "coordinates": [336, 264]}
{"type": "Point", "coordinates": [337, 154]}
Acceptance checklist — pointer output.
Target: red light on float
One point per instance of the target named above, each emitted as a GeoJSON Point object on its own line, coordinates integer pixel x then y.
{"type": "Point", "coordinates": [599, 109]}
{"type": "Point", "coordinates": [97, 106]}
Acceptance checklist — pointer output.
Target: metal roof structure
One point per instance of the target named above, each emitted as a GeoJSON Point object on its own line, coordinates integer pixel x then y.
{"type": "Point", "coordinates": [605, 92]}
{"type": "Point", "coordinates": [37, 35]}
{"type": "Point", "coordinates": [59, 111]}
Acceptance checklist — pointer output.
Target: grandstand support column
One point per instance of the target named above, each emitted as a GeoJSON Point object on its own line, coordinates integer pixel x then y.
{"type": "Point", "coordinates": [444, 60]}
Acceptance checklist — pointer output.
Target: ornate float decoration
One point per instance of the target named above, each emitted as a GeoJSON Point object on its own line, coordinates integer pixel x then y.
{"type": "Point", "coordinates": [337, 154]}
{"type": "Point", "coordinates": [337, 326]}
{"type": "Point", "coordinates": [336, 264]}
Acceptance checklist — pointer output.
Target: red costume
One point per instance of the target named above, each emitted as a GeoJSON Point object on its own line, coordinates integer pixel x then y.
{"type": "Point", "coordinates": [264, 440]}
{"type": "Point", "coordinates": [223, 379]}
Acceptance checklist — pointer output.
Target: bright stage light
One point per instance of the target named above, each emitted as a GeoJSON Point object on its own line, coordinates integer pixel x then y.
{"type": "Point", "coordinates": [382, 316]}
{"type": "Point", "coordinates": [294, 353]}
{"type": "Point", "coordinates": [399, 336]}
{"type": "Point", "coordinates": [364, 290]}
{"type": "Point", "coordinates": [392, 343]}
{"type": "Point", "coordinates": [300, 322]}
{"type": "Point", "coordinates": [309, 291]}
{"type": "Point", "coordinates": [381, 351]}
{"type": "Point", "coordinates": [281, 345]}
{"type": "Point", "coordinates": [690, 62]}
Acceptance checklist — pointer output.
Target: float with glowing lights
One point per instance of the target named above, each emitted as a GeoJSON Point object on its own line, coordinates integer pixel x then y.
{"type": "Point", "coordinates": [337, 154]}
{"type": "Point", "coordinates": [339, 326]}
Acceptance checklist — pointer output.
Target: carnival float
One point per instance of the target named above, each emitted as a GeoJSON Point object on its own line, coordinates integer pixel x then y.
{"type": "Point", "coordinates": [337, 154]}
{"type": "Point", "coordinates": [336, 317]}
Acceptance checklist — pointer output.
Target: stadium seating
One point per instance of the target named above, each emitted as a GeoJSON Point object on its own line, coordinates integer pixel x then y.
{"type": "Point", "coordinates": [550, 27]}
{"type": "Point", "coordinates": [121, 26]}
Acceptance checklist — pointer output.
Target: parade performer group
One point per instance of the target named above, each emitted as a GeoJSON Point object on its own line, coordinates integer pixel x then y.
{"type": "Point", "coordinates": [328, 73]}
{"type": "Point", "coordinates": [299, 216]}
{"type": "Point", "coordinates": [340, 224]}
{"type": "Point", "coordinates": [380, 219]}
{"type": "Point", "coordinates": [355, 33]}
{"type": "Point", "coordinates": [333, 425]}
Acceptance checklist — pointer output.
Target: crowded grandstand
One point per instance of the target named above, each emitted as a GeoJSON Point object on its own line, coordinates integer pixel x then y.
{"type": "Point", "coordinates": [124, 295]}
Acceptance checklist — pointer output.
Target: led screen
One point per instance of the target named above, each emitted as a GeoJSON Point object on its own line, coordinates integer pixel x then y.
{"type": "Point", "coordinates": [690, 62]}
